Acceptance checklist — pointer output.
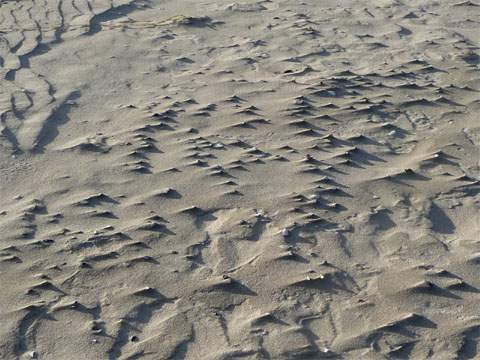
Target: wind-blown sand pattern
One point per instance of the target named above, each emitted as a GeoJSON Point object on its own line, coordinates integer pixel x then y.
{"type": "Point", "coordinates": [252, 180]}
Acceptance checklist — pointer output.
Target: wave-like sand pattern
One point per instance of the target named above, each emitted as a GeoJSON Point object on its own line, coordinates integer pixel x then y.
{"type": "Point", "coordinates": [250, 180]}
{"type": "Point", "coordinates": [29, 103]}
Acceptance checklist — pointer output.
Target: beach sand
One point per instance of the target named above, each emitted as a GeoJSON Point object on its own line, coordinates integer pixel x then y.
{"type": "Point", "coordinates": [239, 180]}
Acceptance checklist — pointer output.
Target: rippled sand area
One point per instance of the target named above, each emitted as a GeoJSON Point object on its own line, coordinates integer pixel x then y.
{"type": "Point", "coordinates": [284, 179]}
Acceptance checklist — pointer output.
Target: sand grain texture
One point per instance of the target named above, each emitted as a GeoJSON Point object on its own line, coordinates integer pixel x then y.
{"type": "Point", "coordinates": [239, 180]}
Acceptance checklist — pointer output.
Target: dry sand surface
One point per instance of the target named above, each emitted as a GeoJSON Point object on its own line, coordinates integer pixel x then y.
{"type": "Point", "coordinates": [202, 179]}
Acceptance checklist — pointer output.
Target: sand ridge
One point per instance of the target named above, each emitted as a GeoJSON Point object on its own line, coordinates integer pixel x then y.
{"type": "Point", "coordinates": [247, 180]}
